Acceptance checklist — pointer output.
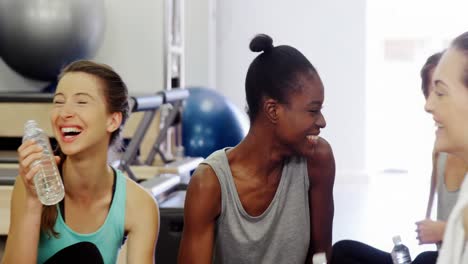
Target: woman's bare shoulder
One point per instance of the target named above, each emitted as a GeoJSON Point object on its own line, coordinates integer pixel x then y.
{"type": "Point", "coordinates": [139, 204]}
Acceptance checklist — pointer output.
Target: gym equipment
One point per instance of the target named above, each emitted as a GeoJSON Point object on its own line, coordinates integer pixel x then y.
{"type": "Point", "coordinates": [38, 38]}
{"type": "Point", "coordinates": [171, 227]}
{"type": "Point", "coordinates": [11, 97]}
{"type": "Point", "coordinates": [150, 104]}
{"type": "Point", "coordinates": [8, 155]}
{"type": "Point", "coordinates": [171, 223]}
{"type": "Point", "coordinates": [168, 188]}
{"type": "Point", "coordinates": [210, 122]}
{"type": "Point", "coordinates": [8, 173]}
{"type": "Point", "coordinates": [174, 69]}
{"type": "Point", "coordinates": [5, 200]}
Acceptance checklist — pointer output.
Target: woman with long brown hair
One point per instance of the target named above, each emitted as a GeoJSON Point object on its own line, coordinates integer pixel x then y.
{"type": "Point", "coordinates": [101, 206]}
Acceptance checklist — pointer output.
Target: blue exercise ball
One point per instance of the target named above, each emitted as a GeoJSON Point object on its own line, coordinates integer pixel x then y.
{"type": "Point", "coordinates": [210, 122]}
{"type": "Point", "coordinates": [39, 37]}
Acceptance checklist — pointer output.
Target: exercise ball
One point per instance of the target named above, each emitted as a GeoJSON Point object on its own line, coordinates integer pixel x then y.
{"type": "Point", "coordinates": [210, 122]}
{"type": "Point", "coordinates": [39, 37]}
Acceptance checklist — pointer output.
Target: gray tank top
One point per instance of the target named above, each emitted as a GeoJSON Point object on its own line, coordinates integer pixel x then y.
{"type": "Point", "coordinates": [445, 199]}
{"type": "Point", "coordinates": [281, 234]}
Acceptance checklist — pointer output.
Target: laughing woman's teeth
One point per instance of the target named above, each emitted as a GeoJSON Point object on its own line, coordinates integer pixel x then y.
{"type": "Point", "coordinates": [312, 138]}
{"type": "Point", "coordinates": [70, 129]}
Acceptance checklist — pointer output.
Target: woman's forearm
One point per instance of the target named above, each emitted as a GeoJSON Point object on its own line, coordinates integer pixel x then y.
{"type": "Point", "coordinates": [23, 235]}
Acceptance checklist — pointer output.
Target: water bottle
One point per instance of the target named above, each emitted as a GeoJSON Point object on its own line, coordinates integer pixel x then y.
{"type": "Point", "coordinates": [48, 183]}
{"type": "Point", "coordinates": [400, 253]}
{"type": "Point", "coordinates": [319, 258]}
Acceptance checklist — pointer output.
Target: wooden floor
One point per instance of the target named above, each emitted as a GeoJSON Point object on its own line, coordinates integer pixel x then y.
{"type": "Point", "coordinates": [386, 205]}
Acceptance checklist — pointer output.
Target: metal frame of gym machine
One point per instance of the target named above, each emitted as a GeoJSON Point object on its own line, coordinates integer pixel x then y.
{"type": "Point", "coordinates": [169, 102]}
{"type": "Point", "coordinates": [166, 187]}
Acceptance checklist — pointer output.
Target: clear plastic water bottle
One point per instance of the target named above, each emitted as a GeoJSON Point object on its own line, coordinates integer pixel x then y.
{"type": "Point", "coordinates": [319, 258]}
{"type": "Point", "coordinates": [400, 253]}
{"type": "Point", "coordinates": [48, 183]}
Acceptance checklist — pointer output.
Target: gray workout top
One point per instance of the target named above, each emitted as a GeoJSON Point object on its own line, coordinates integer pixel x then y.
{"type": "Point", "coordinates": [445, 199]}
{"type": "Point", "coordinates": [281, 234]}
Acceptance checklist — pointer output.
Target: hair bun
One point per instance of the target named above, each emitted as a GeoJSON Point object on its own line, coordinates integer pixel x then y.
{"type": "Point", "coordinates": [261, 42]}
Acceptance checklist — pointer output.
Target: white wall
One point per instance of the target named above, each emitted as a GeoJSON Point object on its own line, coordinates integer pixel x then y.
{"type": "Point", "coordinates": [399, 42]}
{"type": "Point", "coordinates": [200, 43]}
{"type": "Point", "coordinates": [133, 45]}
{"type": "Point", "coordinates": [331, 34]}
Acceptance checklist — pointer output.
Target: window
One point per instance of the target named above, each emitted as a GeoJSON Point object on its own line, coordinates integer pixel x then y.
{"type": "Point", "coordinates": [400, 37]}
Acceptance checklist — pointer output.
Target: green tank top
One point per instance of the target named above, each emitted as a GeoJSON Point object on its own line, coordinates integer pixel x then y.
{"type": "Point", "coordinates": [107, 239]}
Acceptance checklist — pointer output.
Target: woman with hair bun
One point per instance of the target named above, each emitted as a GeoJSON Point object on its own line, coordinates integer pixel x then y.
{"type": "Point", "coordinates": [270, 198]}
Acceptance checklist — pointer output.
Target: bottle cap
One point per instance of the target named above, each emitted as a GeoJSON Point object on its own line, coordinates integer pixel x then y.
{"type": "Point", "coordinates": [30, 123]}
{"type": "Point", "coordinates": [319, 258]}
{"type": "Point", "coordinates": [396, 240]}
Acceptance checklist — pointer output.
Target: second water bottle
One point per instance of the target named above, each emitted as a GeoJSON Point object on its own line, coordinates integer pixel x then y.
{"type": "Point", "coordinates": [400, 253]}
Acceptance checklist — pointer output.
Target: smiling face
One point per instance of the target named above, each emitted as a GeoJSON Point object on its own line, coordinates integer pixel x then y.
{"type": "Point", "coordinates": [79, 117]}
{"type": "Point", "coordinates": [300, 119]}
{"type": "Point", "coordinates": [448, 103]}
